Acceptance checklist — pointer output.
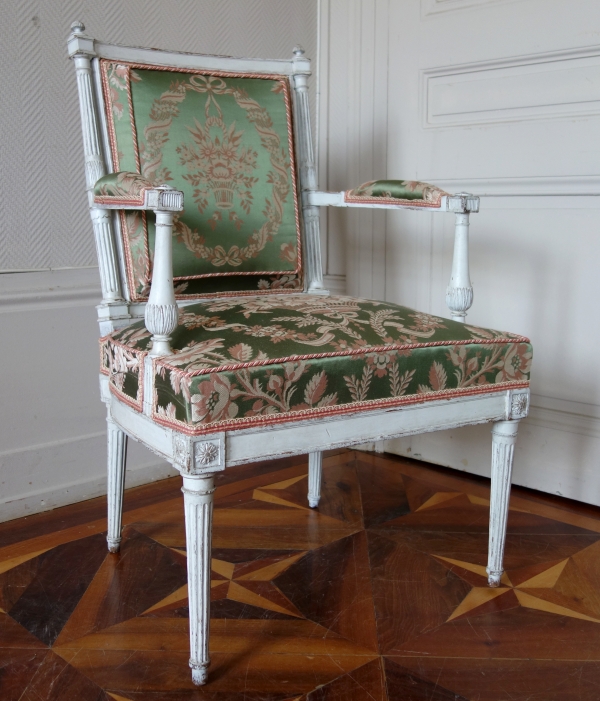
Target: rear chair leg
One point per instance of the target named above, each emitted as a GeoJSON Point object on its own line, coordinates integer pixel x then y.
{"type": "Point", "coordinates": [504, 436]}
{"type": "Point", "coordinates": [117, 454]}
{"type": "Point", "coordinates": [198, 503]}
{"type": "Point", "coordinates": [315, 471]}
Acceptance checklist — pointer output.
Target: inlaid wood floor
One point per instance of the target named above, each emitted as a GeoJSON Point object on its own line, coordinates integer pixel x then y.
{"type": "Point", "coordinates": [378, 595]}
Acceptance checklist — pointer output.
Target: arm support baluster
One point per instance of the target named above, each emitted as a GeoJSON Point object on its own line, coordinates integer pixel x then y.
{"type": "Point", "coordinates": [459, 295]}
{"type": "Point", "coordinates": [161, 310]}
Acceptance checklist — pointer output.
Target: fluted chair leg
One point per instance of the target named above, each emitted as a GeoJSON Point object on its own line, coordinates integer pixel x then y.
{"type": "Point", "coordinates": [504, 436]}
{"type": "Point", "coordinates": [315, 472]}
{"type": "Point", "coordinates": [198, 503]}
{"type": "Point", "coordinates": [117, 454]}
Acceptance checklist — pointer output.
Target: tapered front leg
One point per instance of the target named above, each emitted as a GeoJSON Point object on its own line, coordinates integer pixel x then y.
{"type": "Point", "coordinates": [315, 472]}
{"type": "Point", "coordinates": [198, 501]}
{"type": "Point", "coordinates": [117, 453]}
{"type": "Point", "coordinates": [504, 436]}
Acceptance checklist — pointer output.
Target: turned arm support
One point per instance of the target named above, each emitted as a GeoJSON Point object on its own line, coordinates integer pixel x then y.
{"type": "Point", "coordinates": [161, 309]}
{"type": "Point", "coordinates": [459, 294]}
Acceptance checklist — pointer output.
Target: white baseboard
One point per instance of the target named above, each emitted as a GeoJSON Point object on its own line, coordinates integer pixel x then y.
{"type": "Point", "coordinates": [82, 474]}
{"type": "Point", "coordinates": [336, 284]}
{"type": "Point", "coordinates": [556, 452]}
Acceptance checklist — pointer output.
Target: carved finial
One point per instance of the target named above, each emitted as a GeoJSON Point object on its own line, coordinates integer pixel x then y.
{"type": "Point", "coordinates": [78, 27]}
{"type": "Point", "coordinates": [299, 51]}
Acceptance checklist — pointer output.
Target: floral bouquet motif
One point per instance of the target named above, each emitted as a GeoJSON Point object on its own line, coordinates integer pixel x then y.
{"type": "Point", "coordinates": [219, 165]}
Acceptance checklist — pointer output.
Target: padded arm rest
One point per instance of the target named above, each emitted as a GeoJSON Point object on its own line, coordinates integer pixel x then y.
{"type": "Point", "coordinates": [396, 192]}
{"type": "Point", "coordinates": [132, 191]}
{"type": "Point", "coordinates": [440, 202]}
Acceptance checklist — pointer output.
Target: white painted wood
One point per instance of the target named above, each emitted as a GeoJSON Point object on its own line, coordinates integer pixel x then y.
{"type": "Point", "coordinates": [354, 429]}
{"type": "Point", "coordinates": [504, 436]}
{"type": "Point", "coordinates": [197, 61]}
{"type": "Point", "coordinates": [459, 295]}
{"type": "Point", "coordinates": [116, 456]}
{"type": "Point", "coordinates": [198, 505]}
{"type": "Point", "coordinates": [81, 50]}
{"type": "Point", "coordinates": [161, 310]}
{"type": "Point", "coordinates": [308, 174]}
{"type": "Point", "coordinates": [315, 474]}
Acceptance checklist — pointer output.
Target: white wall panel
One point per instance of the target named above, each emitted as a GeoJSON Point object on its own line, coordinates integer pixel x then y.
{"type": "Point", "coordinates": [533, 87]}
{"type": "Point", "coordinates": [500, 98]}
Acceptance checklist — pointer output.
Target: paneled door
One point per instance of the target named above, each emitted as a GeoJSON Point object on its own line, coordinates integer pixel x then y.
{"type": "Point", "coordinates": [500, 98]}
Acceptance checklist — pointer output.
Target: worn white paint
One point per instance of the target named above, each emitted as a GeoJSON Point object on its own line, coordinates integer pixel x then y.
{"type": "Point", "coordinates": [315, 476]}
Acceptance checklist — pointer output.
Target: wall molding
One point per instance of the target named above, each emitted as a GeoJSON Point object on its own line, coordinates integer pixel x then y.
{"type": "Point", "coordinates": [336, 284]}
{"type": "Point", "coordinates": [434, 7]}
{"type": "Point", "coordinates": [49, 289]}
{"type": "Point", "coordinates": [529, 186]}
{"type": "Point", "coordinates": [550, 85]}
{"type": "Point", "coordinates": [562, 415]}
{"type": "Point", "coordinates": [73, 492]}
{"type": "Point", "coordinates": [19, 468]}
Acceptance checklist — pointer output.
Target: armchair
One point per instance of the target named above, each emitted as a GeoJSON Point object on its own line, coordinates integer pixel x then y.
{"type": "Point", "coordinates": [219, 343]}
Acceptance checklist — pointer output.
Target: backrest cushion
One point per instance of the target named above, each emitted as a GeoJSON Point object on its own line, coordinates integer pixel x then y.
{"type": "Point", "coordinates": [226, 141]}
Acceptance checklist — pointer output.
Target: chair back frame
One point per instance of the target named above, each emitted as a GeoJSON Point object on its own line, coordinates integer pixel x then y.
{"type": "Point", "coordinates": [116, 308]}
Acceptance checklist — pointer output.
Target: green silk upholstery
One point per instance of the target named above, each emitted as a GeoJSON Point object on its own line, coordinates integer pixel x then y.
{"type": "Point", "coordinates": [225, 141]}
{"type": "Point", "coordinates": [252, 360]}
{"type": "Point", "coordinates": [401, 192]}
{"type": "Point", "coordinates": [121, 188]}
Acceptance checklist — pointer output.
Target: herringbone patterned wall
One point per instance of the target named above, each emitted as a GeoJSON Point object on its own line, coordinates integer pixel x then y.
{"type": "Point", "coordinates": [43, 217]}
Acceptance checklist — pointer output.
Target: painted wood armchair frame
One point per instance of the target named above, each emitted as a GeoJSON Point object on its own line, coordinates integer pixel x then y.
{"type": "Point", "coordinates": [199, 458]}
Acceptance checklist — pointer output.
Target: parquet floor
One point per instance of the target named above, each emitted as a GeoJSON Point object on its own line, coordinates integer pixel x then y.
{"type": "Point", "coordinates": [380, 595]}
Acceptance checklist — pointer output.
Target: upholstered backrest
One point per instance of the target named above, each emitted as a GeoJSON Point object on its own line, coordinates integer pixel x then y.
{"type": "Point", "coordinates": [224, 139]}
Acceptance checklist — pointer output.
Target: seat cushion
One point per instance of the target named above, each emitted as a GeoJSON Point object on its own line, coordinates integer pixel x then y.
{"type": "Point", "coordinates": [224, 140]}
{"type": "Point", "coordinates": [409, 193]}
{"type": "Point", "coordinates": [256, 360]}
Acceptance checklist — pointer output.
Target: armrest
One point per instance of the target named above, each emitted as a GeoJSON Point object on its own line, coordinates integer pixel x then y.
{"type": "Point", "coordinates": [126, 190]}
{"type": "Point", "coordinates": [407, 193]}
{"type": "Point", "coordinates": [133, 191]}
{"type": "Point", "coordinates": [396, 194]}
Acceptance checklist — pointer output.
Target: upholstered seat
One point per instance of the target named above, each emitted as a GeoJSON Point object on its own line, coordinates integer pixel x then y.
{"type": "Point", "coordinates": [249, 360]}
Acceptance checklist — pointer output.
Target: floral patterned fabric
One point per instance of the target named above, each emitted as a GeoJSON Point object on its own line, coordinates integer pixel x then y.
{"type": "Point", "coordinates": [242, 361]}
{"type": "Point", "coordinates": [225, 140]}
{"type": "Point", "coordinates": [126, 188]}
{"type": "Point", "coordinates": [406, 192]}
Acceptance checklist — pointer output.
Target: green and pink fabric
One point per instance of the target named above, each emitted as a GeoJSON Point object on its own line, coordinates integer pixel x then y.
{"type": "Point", "coordinates": [409, 193]}
{"type": "Point", "coordinates": [127, 189]}
{"type": "Point", "coordinates": [225, 140]}
{"type": "Point", "coordinates": [268, 359]}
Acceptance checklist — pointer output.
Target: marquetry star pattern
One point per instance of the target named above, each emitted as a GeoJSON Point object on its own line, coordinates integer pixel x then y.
{"type": "Point", "coordinates": [248, 582]}
{"type": "Point", "coordinates": [557, 586]}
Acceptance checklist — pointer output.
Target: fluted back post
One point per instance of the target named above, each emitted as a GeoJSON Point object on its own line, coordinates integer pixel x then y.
{"type": "Point", "coordinates": [313, 266]}
{"type": "Point", "coordinates": [81, 50]}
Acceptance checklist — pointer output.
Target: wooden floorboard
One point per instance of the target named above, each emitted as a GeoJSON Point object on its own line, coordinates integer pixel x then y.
{"type": "Point", "coordinates": [379, 595]}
